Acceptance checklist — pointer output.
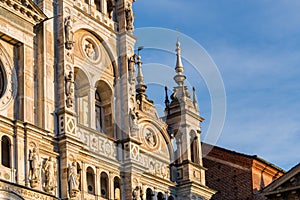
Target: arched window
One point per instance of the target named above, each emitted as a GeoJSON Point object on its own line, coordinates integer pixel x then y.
{"type": "Point", "coordinates": [104, 98]}
{"type": "Point", "coordinates": [98, 5]}
{"type": "Point", "coordinates": [82, 88]}
{"type": "Point", "coordinates": [194, 146]}
{"type": "Point", "coordinates": [2, 80]}
{"type": "Point", "coordinates": [171, 198]}
{"type": "Point", "coordinates": [110, 8]}
{"type": "Point", "coordinates": [117, 188]}
{"type": "Point", "coordinates": [160, 196]}
{"type": "Point", "coordinates": [149, 194]}
{"type": "Point", "coordinates": [90, 180]}
{"type": "Point", "coordinates": [5, 151]}
{"type": "Point", "coordinates": [104, 185]}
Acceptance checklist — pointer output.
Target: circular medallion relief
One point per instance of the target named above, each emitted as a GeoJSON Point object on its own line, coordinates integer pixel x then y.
{"type": "Point", "coordinates": [151, 138]}
{"type": "Point", "coordinates": [8, 80]}
{"type": "Point", "coordinates": [90, 49]}
{"type": "Point", "coordinates": [2, 80]}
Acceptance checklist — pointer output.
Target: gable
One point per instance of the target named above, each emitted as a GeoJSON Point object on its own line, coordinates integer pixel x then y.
{"type": "Point", "coordinates": [287, 182]}
{"type": "Point", "coordinates": [25, 9]}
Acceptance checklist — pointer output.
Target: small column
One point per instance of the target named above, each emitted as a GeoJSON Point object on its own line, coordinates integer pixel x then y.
{"type": "Point", "coordinates": [111, 194]}
{"type": "Point", "coordinates": [83, 180]}
{"type": "Point", "coordinates": [97, 182]}
{"type": "Point", "coordinates": [104, 6]}
{"type": "Point", "coordinates": [92, 116]}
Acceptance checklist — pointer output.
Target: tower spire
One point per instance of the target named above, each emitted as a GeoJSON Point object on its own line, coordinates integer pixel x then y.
{"type": "Point", "coordinates": [179, 77]}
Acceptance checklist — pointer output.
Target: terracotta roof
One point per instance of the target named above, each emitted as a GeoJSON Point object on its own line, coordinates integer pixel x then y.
{"type": "Point", "coordinates": [255, 157]}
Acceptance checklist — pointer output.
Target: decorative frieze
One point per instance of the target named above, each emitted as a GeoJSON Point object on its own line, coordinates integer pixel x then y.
{"type": "Point", "coordinates": [98, 143]}
{"type": "Point", "coordinates": [24, 192]}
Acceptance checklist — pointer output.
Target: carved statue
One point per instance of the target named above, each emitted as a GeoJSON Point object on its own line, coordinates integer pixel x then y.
{"type": "Point", "coordinates": [90, 51]}
{"type": "Point", "coordinates": [133, 116]}
{"type": "Point", "coordinates": [131, 68]}
{"type": "Point", "coordinates": [136, 193]}
{"type": "Point", "coordinates": [69, 89]}
{"type": "Point", "coordinates": [73, 180]}
{"type": "Point", "coordinates": [34, 170]}
{"type": "Point", "coordinates": [69, 32]}
{"type": "Point", "coordinates": [50, 170]}
{"type": "Point", "coordinates": [129, 17]}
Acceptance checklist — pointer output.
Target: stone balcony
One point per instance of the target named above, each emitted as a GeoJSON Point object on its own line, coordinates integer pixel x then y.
{"type": "Point", "coordinates": [99, 16]}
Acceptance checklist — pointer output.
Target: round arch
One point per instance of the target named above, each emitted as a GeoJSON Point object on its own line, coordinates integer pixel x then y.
{"type": "Point", "coordinates": [6, 194]}
{"type": "Point", "coordinates": [111, 54]}
{"type": "Point", "coordinates": [162, 130]}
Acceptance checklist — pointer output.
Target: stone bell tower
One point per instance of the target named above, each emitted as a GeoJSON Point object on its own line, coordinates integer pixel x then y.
{"type": "Point", "coordinates": [183, 120]}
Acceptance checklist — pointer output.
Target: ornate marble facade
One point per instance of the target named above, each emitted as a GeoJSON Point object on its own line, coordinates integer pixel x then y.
{"type": "Point", "coordinates": [75, 120]}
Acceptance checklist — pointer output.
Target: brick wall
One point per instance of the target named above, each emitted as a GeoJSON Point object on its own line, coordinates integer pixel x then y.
{"type": "Point", "coordinates": [236, 176]}
{"type": "Point", "coordinates": [231, 181]}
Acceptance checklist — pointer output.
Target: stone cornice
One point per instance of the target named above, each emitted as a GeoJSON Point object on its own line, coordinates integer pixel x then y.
{"type": "Point", "coordinates": [26, 10]}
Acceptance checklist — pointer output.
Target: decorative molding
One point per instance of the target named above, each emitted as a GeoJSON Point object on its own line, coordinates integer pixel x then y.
{"type": "Point", "coordinates": [25, 9]}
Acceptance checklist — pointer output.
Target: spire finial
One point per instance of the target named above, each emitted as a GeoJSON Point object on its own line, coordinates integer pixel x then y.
{"type": "Point", "coordinates": [140, 77]}
{"type": "Point", "coordinates": [179, 78]}
{"type": "Point", "coordinates": [167, 102]}
{"type": "Point", "coordinates": [179, 67]}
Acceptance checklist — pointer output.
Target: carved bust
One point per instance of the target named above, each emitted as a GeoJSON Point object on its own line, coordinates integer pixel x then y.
{"type": "Point", "coordinates": [90, 50]}
{"type": "Point", "coordinates": [150, 138]}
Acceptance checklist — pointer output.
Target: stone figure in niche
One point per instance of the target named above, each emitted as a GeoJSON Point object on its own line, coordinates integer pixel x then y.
{"type": "Point", "coordinates": [34, 167]}
{"type": "Point", "coordinates": [131, 68]}
{"type": "Point", "coordinates": [73, 180]}
{"type": "Point", "coordinates": [90, 51]}
{"type": "Point", "coordinates": [151, 138]}
{"type": "Point", "coordinates": [50, 170]}
{"type": "Point", "coordinates": [133, 116]}
{"type": "Point", "coordinates": [69, 89]}
{"type": "Point", "coordinates": [136, 193]}
{"type": "Point", "coordinates": [69, 35]}
{"type": "Point", "coordinates": [129, 17]}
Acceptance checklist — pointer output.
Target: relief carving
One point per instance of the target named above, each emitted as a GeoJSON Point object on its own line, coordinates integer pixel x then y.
{"type": "Point", "coordinates": [151, 138]}
{"type": "Point", "coordinates": [90, 50]}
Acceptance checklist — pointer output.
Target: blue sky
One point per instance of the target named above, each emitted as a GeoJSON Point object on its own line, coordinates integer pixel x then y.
{"type": "Point", "coordinates": [256, 46]}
